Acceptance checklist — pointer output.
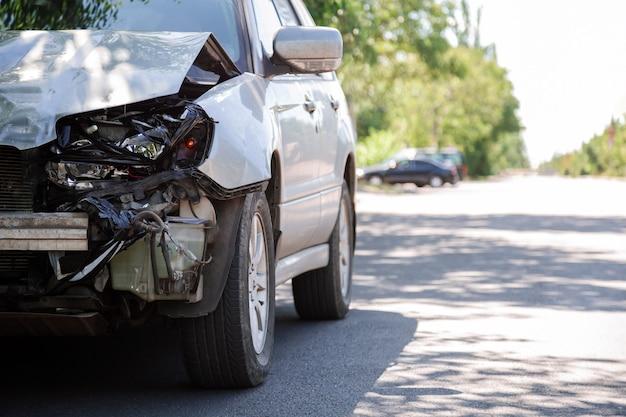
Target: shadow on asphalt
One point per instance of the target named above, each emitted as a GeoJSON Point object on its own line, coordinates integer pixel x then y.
{"type": "Point", "coordinates": [518, 222]}
{"type": "Point", "coordinates": [502, 384]}
{"type": "Point", "coordinates": [449, 268]}
{"type": "Point", "coordinates": [320, 369]}
{"type": "Point", "coordinates": [424, 260]}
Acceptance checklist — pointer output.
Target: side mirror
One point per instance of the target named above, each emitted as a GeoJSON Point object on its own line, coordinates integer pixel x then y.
{"type": "Point", "coordinates": [308, 50]}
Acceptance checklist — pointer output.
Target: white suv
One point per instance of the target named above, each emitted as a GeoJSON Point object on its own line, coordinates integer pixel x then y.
{"type": "Point", "coordinates": [175, 158]}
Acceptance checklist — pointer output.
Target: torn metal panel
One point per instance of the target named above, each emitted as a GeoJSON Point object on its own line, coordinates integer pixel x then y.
{"type": "Point", "coordinates": [46, 75]}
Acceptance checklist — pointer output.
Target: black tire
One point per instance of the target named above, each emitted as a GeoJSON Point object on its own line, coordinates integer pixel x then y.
{"type": "Point", "coordinates": [317, 294]}
{"type": "Point", "coordinates": [218, 348]}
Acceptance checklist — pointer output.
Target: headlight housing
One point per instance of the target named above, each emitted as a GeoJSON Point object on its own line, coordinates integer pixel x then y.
{"type": "Point", "coordinates": [127, 143]}
{"type": "Point", "coordinates": [81, 175]}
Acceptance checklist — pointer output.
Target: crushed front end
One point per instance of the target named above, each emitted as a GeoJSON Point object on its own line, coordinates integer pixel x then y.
{"type": "Point", "coordinates": [107, 219]}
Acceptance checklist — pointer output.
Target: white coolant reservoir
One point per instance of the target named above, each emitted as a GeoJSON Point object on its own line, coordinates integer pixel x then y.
{"type": "Point", "coordinates": [202, 210]}
{"type": "Point", "coordinates": [182, 248]}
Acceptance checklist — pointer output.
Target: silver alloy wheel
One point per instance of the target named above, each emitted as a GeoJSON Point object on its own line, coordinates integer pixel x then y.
{"type": "Point", "coordinates": [436, 182]}
{"type": "Point", "coordinates": [344, 249]}
{"type": "Point", "coordinates": [376, 180]}
{"type": "Point", "coordinates": [257, 284]}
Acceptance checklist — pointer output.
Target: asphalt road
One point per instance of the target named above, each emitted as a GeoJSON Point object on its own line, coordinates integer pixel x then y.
{"type": "Point", "coordinates": [503, 298]}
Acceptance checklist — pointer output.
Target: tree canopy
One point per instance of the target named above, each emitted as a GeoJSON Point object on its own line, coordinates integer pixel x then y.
{"type": "Point", "coordinates": [417, 75]}
{"type": "Point", "coordinates": [604, 154]}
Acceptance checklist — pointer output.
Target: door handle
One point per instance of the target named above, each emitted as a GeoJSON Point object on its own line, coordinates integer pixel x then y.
{"type": "Point", "coordinates": [334, 103]}
{"type": "Point", "coordinates": [309, 105]}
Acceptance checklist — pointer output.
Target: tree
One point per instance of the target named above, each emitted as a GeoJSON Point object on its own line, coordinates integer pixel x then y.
{"type": "Point", "coordinates": [61, 14]}
{"type": "Point", "coordinates": [410, 83]}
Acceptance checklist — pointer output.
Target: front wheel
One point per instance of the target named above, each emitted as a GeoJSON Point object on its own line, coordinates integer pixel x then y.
{"type": "Point", "coordinates": [232, 347]}
{"type": "Point", "coordinates": [325, 293]}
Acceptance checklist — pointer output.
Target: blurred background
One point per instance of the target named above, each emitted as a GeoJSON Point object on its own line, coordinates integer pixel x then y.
{"type": "Point", "coordinates": [418, 74]}
{"type": "Point", "coordinates": [509, 84]}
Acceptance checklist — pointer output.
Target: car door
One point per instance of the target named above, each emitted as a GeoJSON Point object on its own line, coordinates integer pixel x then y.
{"type": "Point", "coordinates": [402, 172]}
{"type": "Point", "coordinates": [289, 97]}
{"type": "Point", "coordinates": [324, 98]}
{"type": "Point", "coordinates": [422, 172]}
{"type": "Point", "coordinates": [317, 106]}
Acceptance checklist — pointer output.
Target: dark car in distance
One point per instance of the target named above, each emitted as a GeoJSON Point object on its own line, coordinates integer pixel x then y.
{"type": "Point", "coordinates": [420, 172]}
{"type": "Point", "coordinates": [452, 156]}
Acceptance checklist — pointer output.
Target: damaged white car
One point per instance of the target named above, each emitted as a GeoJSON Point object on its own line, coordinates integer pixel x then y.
{"type": "Point", "coordinates": [178, 158]}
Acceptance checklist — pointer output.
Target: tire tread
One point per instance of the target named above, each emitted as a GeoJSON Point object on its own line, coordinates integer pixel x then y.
{"type": "Point", "coordinates": [317, 294]}
{"type": "Point", "coordinates": [214, 348]}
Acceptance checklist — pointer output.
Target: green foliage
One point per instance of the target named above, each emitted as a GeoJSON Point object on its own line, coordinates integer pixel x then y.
{"type": "Point", "coordinates": [377, 147]}
{"type": "Point", "coordinates": [408, 85]}
{"type": "Point", "coordinates": [604, 154]}
{"type": "Point", "coordinates": [60, 14]}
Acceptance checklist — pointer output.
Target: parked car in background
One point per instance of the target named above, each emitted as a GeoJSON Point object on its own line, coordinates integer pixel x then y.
{"type": "Point", "coordinates": [449, 157]}
{"type": "Point", "coordinates": [180, 159]}
{"type": "Point", "coordinates": [452, 156]}
{"type": "Point", "coordinates": [420, 172]}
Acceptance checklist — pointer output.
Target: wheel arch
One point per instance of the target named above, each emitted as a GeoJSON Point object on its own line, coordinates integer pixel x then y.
{"type": "Point", "coordinates": [273, 193]}
{"type": "Point", "coordinates": [349, 176]}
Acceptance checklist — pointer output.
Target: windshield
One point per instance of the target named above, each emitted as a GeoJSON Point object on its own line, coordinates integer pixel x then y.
{"type": "Point", "coordinates": [218, 16]}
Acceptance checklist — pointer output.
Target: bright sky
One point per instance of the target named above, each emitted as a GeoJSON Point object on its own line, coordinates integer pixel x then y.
{"type": "Point", "coordinates": [567, 61]}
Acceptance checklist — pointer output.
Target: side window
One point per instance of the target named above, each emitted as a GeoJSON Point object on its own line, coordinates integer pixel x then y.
{"type": "Point", "coordinates": [286, 12]}
{"type": "Point", "coordinates": [404, 165]}
{"type": "Point", "coordinates": [267, 22]}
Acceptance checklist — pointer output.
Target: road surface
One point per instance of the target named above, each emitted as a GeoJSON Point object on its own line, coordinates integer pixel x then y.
{"type": "Point", "coordinates": [501, 298]}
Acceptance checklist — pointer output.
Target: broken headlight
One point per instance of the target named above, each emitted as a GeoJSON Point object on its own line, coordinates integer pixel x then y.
{"type": "Point", "coordinates": [81, 175]}
{"type": "Point", "coordinates": [127, 143]}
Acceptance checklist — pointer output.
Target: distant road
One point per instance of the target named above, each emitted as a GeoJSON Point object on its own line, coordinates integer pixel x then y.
{"type": "Point", "coordinates": [501, 298]}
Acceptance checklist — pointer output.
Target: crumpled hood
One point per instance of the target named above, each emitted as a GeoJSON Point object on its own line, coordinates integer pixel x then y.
{"type": "Point", "coordinates": [46, 75]}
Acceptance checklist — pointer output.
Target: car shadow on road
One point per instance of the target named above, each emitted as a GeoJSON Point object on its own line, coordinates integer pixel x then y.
{"type": "Point", "coordinates": [320, 368]}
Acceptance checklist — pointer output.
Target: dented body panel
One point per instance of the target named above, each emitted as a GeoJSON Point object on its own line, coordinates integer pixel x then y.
{"type": "Point", "coordinates": [46, 75]}
{"type": "Point", "coordinates": [245, 135]}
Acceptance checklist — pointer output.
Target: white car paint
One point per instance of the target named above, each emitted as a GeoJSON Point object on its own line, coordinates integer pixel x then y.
{"type": "Point", "coordinates": [46, 75]}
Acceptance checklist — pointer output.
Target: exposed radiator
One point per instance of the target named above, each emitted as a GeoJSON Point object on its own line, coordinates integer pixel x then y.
{"type": "Point", "coordinates": [16, 191]}
{"type": "Point", "coordinates": [14, 265]}
{"type": "Point", "coordinates": [15, 261]}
